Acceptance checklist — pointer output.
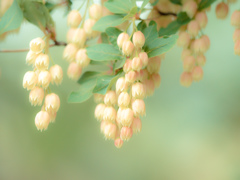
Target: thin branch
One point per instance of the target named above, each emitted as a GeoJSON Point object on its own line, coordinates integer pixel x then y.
{"type": "Point", "coordinates": [56, 43]}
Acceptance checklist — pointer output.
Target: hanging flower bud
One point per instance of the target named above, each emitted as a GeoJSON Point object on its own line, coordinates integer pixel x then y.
{"type": "Point", "coordinates": [190, 7]}
{"type": "Point", "coordinates": [144, 58]}
{"type": "Point", "coordinates": [183, 39]}
{"type": "Point", "coordinates": [131, 77]}
{"type": "Point", "coordinates": [56, 74]}
{"type": "Point", "coordinates": [236, 35]}
{"type": "Point", "coordinates": [156, 79]}
{"type": "Point", "coordinates": [110, 131]}
{"type": "Point", "coordinates": [44, 79]}
{"type": "Point", "coordinates": [126, 133]}
{"type": "Point", "coordinates": [74, 19]}
{"type": "Point", "coordinates": [124, 99]}
{"type": "Point", "coordinates": [70, 52]}
{"type": "Point", "coordinates": [201, 18]}
{"type": "Point", "coordinates": [136, 64]}
{"type": "Point", "coordinates": [200, 46]}
{"type": "Point", "coordinates": [138, 39]}
{"type": "Point", "coordinates": [42, 120]}
{"type": "Point", "coordinates": [77, 36]}
{"type": "Point", "coordinates": [126, 117]}
{"type": "Point", "coordinates": [95, 11]}
{"type": "Point", "coordinates": [188, 63]}
{"type": "Point", "coordinates": [110, 98]}
{"type": "Point", "coordinates": [138, 91]}
{"type": "Point", "coordinates": [118, 143]}
{"type": "Point", "coordinates": [197, 73]}
{"type": "Point", "coordinates": [30, 80]}
{"type": "Point", "coordinates": [109, 114]}
{"type": "Point", "coordinates": [98, 98]}
{"type": "Point", "coordinates": [186, 79]}
{"type": "Point", "coordinates": [52, 117]}
{"type": "Point", "coordinates": [136, 125]}
{"type": "Point", "coordinates": [142, 75]}
{"type": "Point", "coordinates": [127, 66]}
{"type": "Point", "coordinates": [138, 107]}
{"type": "Point", "coordinates": [103, 125]}
{"type": "Point", "coordinates": [235, 19]}
{"type": "Point", "coordinates": [121, 85]}
{"type": "Point", "coordinates": [127, 48]}
{"type": "Point", "coordinates": [82, 58]}
{"type": "Point", "coordinates": [201, 60]}
{"type": "Point", "coordinates": [74, 71]}
{"type": "Point", "coordinates": [154, 65]}
{"type": "Point", "coordinates": [149, 85]}
{"type": "Point", "coordinates": [36, 96]}
{"type": "Point", "coordinates": [52, 103]}
{"type": "Point", "coordinates": [121, 38]}
{"type": "Point", "coordinates": [31, 58]}
{"type": "Point", "coordinates": [207, 41]}
{"type": "Point", "coordinates": [99, 111]}
{"type": "Point", "coordinates": [88, 24]}
{"type": "Point", "coordinates": [37, 45]}
{"type": "Point", "coordinates": [193, 28]}
{"type": "Point", "coordinates": [185, 53]}
{"type": "Point", "coordinates": [222, 10]}
{"type": "Point", "coordinates": [42, 62]}
{"type": "Point", "coordinates": [119, 116]}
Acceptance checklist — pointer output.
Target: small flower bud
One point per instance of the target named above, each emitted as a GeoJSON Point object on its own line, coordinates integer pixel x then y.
{"type": "Point", "coordinates": [44, 79]}
{"type": "Point", "coordinates": [36, 96]}
{"type": "Point", "coordinates": [31, 58]}
{"type": "Point", "coordinates": [193, 28]}
{"type": "Point", "coordinates": [236, 35]}
{"type": "Point", "coordinates": [149, 85]}
{"type": "Point", "coordinates": [70, 52]}
{"type": "Point", "coordinates": [74, 71]}
{"type": "Point", "coordinates": [121, 85]}
{"type": "Point", "coordinates": [188, 63]}
{"type": "Point", "coordinates": [109, 114]}
{"type": "Point", "coordinates": [30, 80]}
{"type": "Point", "coordinates": [52, 103]}
{"type": "Point", "coordinates": [42, 120]}
{"type": "Point", "coordinates": [98, 98]}
{"type": "Point", "coordinates": [200, 46]}
{"type": "Point", "coordinates": [197, 73]}
{"type": "Point", "coordinates": [103, 125]}
{"type": "Point", "coordinates": [201, 18]}
{"type": "Point", "coordinates": [131, 76]}
{"type": "Point", "coordinates": [119, 116]}
{"type": "Point", "coordinates": [144, 58]}
{"type": "Point", "coordinates": [136, 64]}
{"type": "Point", "coordinates": [99, 111]}
{"type": "Point", "coordinates": [127, 66]}
{"type": "Point", "coordinates": [156, 79]}
{"type": "Point", "coordinates": [118, 143]}
{"type": "Point", "coordinates": [77, 36]}
{"type": "Point", "coordinates": [88, 24]}
{"type": "Point", "coordinates": [124, 99]}
{"type": "Point", "coordinates": [154, 65]}
{"type": "Point", "coordinates": [37, 45]}
{"type": "Point", "coordinates": [52, 117]}
{"type": "Point", "coordinates": [110, 98]}
{"type": "Point", "coordinates": [56, 74]}
{"type": "Point", "coordinates": [127, 48]}
{"type": "Point", "coordinates": [142, 75]}
{"type": "Point", "coordinates": [126, 117]}
{"type": "Point", "coordinates": [207, 41]}
{"type": "Point", "coordinates": [110, 131]}
{"type": "Point", "coordinates": [138, 91]}
{"type": "Point", "coordinates": [136, 125]}
{"type": "Point", "coordinates": [185, 53]}
{"type": "Point", "coordinates": [42, 62]}
{"type": "Point", "coordinates": [190, 7]}
{"type": "Point", "coordinates": [201, 60]}
{"type": "Point", "coordinates": [82, 58]}
{"type": "Point", "coordinates": [126, 133]}
{"type": "Point", "coordinates": [74, 19]}
{"type": "Point", "coordinates": [121, 38]}
{"type": "Point", "coordinates": [95, 11]}
{"type": "Point", "coordinates": [186, 79]}
{"type": "Point", "coordinates": [183, 39]}
{"type": "Point", "coordinates": [235, 19]}
{"type": "Point", "coordinates": [222, 10]}
{"type": "Point", "coordinates": [138, 39]}
{"type": "Point", "coordinates": [138, 107]}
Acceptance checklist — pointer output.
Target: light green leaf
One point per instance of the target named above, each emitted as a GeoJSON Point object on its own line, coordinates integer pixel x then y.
{"type": "Point", "coordinates": [131, 14]}
{"type": "Point", "coordinates": [103, 52]}
{"type": "Point", "coordinates": [104, 38]}
{"type": "Point", "coordinates": [12, 19]}
{"type": "Point", "coordinates": [108, 21]}
{"type": "Point", "coordinates": [120, 6]}
{"type": "Point", "coordinates": [150, 33]}
{"type": "Point", "coordinates": [155, 3]}
{"type": "Point", "coordinates": [88, 76]}
{"type": "Point", "coordinates": [120, 63]}
{"type": "Point", "coordinates": [145, 2]}
{"type": "Point", "coordinates": [205, 4]}
{"type": "Point", "coordinates": [141, 26]}
{"type": "Point", "coordinates": [113, 33]}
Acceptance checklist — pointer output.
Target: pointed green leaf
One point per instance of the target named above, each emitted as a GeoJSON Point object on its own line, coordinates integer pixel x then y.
{"type": "Point", "coordinates": [113, 33]}
{"type": "Point", "coordinates": [120, 6]}
{"type": "Point", "coordinates": [141, 26]}
{"type": "Point", "coordinates": [88, 76]}
{"type": "Point", "coordinates": [108, 21]}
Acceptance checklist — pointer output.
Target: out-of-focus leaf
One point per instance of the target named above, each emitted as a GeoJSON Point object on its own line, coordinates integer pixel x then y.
{"type": "Point", "coordinates": [113, 33]}
{"type": "Point", "coordinates": [205, 4]}
{"type": "Point", "coordinates": [120, 6]}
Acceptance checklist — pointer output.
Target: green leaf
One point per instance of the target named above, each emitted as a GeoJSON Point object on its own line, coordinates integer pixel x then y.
{"type": "Point", "coordinates": [182, 18]}
{"type": "Point", "coordinates": [88, 76]}
{"type": "Point", "coordinates": [103, 52]}
{"type": "Point", "coordinates": [120, 63]}
{"type": "Point", "coordinates": [176, 2]}
{"type": "Point", "coordinates": [120, 6]}
{"type": "Point", "coordinates": [204, 4]}
{"type": "Point", "coordinates": [131, 14]}
{"type": "Point", "coordinates": [145, 2]}
{"type": "Point", "coordinates": [113, 33]}
{"type": "Point", "coordinates": [141, 26]}
{"type": "Point", "coordinates": [155, 3]}
{"type": "Point", "coordinates": [12, 19]}
{"type": "Point", "coordinates": [108, 21]}
{"type": "Point", "coordinates": [150, 33]}
{"type": "Point", "coordinates": [161, 45]}
{"type": "Point", "coordinates": [104, 38]}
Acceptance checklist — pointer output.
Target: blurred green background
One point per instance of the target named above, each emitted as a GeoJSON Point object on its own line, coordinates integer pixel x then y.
{"type": "Point", "coordinates": [188, 133]}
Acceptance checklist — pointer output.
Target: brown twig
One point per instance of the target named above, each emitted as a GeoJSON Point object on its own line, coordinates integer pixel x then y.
{"type": "Point", "coordinates": [56, 43]}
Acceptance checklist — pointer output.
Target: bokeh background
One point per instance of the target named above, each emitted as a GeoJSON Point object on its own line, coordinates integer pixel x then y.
{"type": "Point", "coordinates": [188, 133]}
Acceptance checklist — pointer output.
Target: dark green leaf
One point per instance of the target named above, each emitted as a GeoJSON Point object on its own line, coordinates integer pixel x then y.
{"type": "Point", "coordinates": [204, 4]}
{"type": "Point", "coordinates": [120, 6]}
{"type": "Point", "coordinates": [88, 76]}
{"type": "Point", "coordinates": [182, 18]}
{"type": "Point", "coordinates": [176, 2]}
{"type": "Point", "coordinates": [108, 21]}
{"type": "Point", "coordinates": [113, 33]}
{"type": "Point", "coordinates": [155, 3]}
{"type": "Point", "coordinates": [150, 33]}
{"type": "Point", "coordinates": [12, 19]}
{"type": "Point", "coordinates": [104, 38]}
{"type": "Point", "coordinates": [141, 26]}
{"type": "Point", "coordinates": [103, 52]}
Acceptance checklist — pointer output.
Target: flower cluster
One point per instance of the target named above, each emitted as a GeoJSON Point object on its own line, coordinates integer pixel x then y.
{"type": "Point", "coordinates": [80, 30]}
{"type": "Point", "coordinates": [38, 80]}
{"type": "Point", "coordinates": [120, 110]}
{"type": "Point", "coordinates": [194, 44]}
